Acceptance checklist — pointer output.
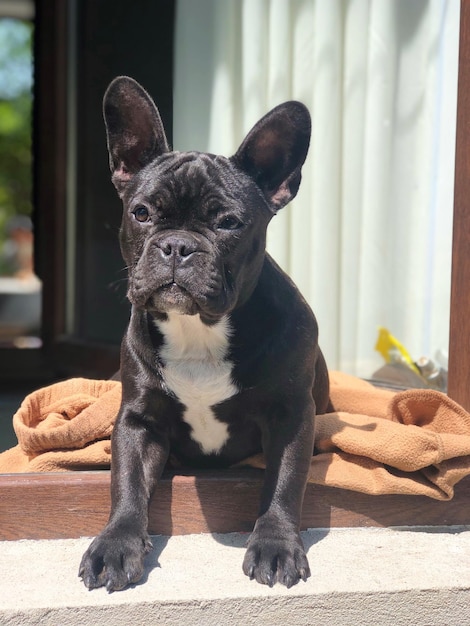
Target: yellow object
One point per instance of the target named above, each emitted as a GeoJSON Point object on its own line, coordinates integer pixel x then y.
{"type": "Point", "coordinates": [388, 345]}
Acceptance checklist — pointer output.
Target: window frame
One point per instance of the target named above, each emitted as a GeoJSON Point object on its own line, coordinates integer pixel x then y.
{"type": "Point", "coordinates": [191, 502]}
{"type": "Point", "coordinates": [61, 26]}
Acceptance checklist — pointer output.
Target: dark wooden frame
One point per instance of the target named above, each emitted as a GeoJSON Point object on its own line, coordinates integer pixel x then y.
{"type": "Point", "coordinates": [62, 355]}
{"type": "Point", "coordinates": [50, 165]}
{"type": "Point", "coordinates": [76, 504]}
{"type": "Point", "coordinates": [459, 342]}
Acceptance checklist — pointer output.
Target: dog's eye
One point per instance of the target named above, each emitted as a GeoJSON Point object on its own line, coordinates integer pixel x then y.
{"type": "Point", "coordinates": [229, 223]}
{"type": "Point", "coordinates": [141, 214]}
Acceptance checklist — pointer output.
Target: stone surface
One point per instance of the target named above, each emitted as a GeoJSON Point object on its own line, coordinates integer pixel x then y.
{"type": "Point", "coordinates": [359, 576]}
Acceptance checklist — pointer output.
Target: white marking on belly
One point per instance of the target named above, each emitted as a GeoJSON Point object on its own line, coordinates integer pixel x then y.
{"type": "Point", "coordinates": [197, 372]}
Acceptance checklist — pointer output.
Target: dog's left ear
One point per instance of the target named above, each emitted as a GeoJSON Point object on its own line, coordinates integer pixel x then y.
{"type": "Point", "coordinates": [274, 151]}
{"type": "Point", "coordinates": [134, 129]}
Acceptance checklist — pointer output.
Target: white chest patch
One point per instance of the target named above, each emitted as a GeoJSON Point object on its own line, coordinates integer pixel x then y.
{"type": "Point", "coordinates": [197, 372]}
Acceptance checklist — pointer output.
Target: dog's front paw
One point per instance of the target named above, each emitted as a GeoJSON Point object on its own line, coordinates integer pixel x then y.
{"type": "Point", "coordinates": [276, 559]}
{"type": "Point", "coordinates": [114, 560]}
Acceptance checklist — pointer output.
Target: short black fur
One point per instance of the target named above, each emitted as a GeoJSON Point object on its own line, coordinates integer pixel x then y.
{"type": "Point", "coordinates": [193, 236]}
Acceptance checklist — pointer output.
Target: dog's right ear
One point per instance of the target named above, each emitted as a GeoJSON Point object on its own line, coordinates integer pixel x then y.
{"type": "Point", "coordinates": [134, 129]}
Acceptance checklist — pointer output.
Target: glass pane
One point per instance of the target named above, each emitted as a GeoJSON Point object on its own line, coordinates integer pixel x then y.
{"type": "Point", "coordinates": [20, 288]}
{"type": "Point", "coordinates": [368, 239]}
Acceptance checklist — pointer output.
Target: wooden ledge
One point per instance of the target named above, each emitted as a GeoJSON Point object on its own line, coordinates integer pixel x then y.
{"type": "Point", "coordinates": [76, 504]}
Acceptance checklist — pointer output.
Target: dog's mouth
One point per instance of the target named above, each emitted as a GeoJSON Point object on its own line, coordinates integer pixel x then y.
{"type": "Point", "coordinates": [186, 292]}
{"type": "Point", "coordinates": [172, 297]}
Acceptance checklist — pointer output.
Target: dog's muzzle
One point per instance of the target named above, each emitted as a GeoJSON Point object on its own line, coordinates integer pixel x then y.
{"type": "Point", "coordinates": [175, 272]}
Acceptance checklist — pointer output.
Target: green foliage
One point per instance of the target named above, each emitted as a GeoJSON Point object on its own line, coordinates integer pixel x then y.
{"type": "Point", "coordinates": [15, 120]}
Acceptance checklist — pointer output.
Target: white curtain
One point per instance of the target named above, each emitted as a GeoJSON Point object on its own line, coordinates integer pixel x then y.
{"type": "Point", "coordinates": [368, 239]}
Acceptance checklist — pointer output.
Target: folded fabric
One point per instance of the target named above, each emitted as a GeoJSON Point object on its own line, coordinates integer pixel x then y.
{"type": "Point", "coordinates": [66, 426]}
{"type": "Point", "coordinates": [414, 442]}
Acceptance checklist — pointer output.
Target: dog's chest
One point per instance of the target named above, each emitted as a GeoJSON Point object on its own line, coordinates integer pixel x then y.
{"type": "Point", "coordinates": [196, 370]}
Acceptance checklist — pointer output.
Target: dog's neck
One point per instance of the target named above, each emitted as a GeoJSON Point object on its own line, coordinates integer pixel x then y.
{"type": "Point", "coordinates": [188, 338]}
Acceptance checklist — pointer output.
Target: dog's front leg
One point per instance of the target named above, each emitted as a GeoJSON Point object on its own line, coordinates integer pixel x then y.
{"type": "Point", "coordinates": [275, 551]}
{"type": "Point", "coordinates": [115, 558]}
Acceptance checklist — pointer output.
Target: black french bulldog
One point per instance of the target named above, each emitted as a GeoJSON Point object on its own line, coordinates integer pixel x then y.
{"type": "Point", "coordinates": [221, 359]}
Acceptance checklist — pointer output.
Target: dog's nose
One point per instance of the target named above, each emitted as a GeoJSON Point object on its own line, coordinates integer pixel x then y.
{"type": "Point", "coordinates": [177, 246]}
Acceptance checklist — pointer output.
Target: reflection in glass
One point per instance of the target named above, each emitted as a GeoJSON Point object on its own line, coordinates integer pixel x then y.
{"type": "Point", "coordinates": [20, 288]}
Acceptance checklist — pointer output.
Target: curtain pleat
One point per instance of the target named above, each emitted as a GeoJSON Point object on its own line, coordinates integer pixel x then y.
{"type": "Point", "coordinates": [368, 238]}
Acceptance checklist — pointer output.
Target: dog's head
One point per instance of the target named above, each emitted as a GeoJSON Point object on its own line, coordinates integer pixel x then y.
{"type": "Point", "coordinates": [194, 225]}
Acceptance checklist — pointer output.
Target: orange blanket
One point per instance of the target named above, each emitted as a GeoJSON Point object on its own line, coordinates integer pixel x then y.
{"type": "Point", "coordinates": [414, 442]}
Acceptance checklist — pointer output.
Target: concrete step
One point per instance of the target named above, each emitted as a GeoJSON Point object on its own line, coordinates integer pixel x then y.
{"type": "Point", "coordinates": [385, 577]}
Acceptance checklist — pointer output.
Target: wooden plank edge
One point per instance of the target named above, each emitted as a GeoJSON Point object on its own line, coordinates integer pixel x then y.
{"type": "Point", "coordinates": [76, 504]}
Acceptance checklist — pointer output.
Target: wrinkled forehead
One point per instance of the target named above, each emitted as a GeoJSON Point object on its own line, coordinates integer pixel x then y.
{"type": "Point", "coordinates": [187, 175]}
{"type": "Point", "coordinates": [181, 162]}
